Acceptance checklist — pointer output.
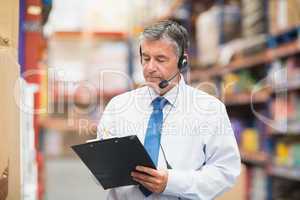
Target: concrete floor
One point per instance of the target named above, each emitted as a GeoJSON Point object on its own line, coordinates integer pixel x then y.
{"type": "Point", "coordinates": [70, 179]}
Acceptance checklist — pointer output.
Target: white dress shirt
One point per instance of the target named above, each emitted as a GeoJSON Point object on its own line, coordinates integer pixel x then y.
{"type": "Point", "coordinates": [196, 137]}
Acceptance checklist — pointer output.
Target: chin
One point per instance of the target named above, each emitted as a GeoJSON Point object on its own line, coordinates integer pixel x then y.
{"type": "Point", "coordinates": [154, 86]}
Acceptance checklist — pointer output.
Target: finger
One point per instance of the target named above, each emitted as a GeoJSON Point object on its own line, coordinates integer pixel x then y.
{"type": "Point", "coordinates": [143, 182]}
{"type": "Point", "coordinates": [147, 170]}
{"type": "Point", "coordinates": [149, 186]}
{"type": "Point", "coordinates": [144, 177]}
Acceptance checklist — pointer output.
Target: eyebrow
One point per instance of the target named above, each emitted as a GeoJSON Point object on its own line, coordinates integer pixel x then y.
{"type": "Point", "coordinates": [144, 54]}
{"type": "Point", "coordinates": [158, 56]}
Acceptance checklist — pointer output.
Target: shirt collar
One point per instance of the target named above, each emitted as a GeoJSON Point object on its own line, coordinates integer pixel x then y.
{"type": "Point", "coordinates": [172, 95]}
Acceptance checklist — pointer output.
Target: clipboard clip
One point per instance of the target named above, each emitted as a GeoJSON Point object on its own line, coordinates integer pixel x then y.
{"type": "Point", "coordinates": [106, 135]}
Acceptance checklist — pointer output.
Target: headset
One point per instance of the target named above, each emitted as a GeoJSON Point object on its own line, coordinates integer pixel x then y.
{"type": "Point", "coordinates": [182, 61]}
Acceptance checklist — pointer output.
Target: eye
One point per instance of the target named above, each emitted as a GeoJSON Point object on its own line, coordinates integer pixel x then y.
{"type": "Point", "coordinates": [146, 59]}
{"type": "Point", "coordinates": [161, 60]}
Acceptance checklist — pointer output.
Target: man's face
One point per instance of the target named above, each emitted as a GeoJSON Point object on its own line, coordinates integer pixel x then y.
{"type": "Point", "coordinates": [159, 60]}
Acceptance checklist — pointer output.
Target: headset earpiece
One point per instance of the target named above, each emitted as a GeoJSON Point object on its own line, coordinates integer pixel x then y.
{"type": "Point", "coordinates": [141, 59]}
{"type": "Point", "coordinates": [182, 63]}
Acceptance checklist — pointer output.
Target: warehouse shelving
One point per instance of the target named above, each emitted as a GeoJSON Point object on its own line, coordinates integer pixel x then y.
{"type": "Point", "coordinates": [256, 158]}
{"type": "Point", "coordinates": [246, 98]}
{"type": "Point", "coordinates": [286, 29]}
{"type": "Point", "coordinates": [106, 95]}
{"type": "Point", "coordinates": [87, 34]}
{"type": "Point", "coordinates": [198, 73]}
{"type": "Point", "coordinates": [291, 84]}
{"type": "Point", "coordinates": [67, 122]}
{"type": "Point", "coordinates": [283, 46]}
{"type": "Point", "coordinates": [285, 172]}
{"type": "Point", "coordinates": [264, 57]}
{"type": "Point", "coordinates": [284, 133]}
{"type": "Point", "coordinates": [168, 14]}
{"type": "Point", "coordinates": [68, 125]}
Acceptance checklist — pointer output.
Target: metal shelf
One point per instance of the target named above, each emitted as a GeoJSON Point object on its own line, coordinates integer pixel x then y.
{"type": "Point", "coordinates": [65, 125]}
{"type": "Point", "coordinates": [264, 57]}
{"type": "Point", "coordinates": [285, 172]}
{"type": "Point", "coordinates": [67, 97]}
{"type": "Point", "coordinates": [257, 158]}
{"type": "Point", "coordinates": [292, 129]}
{"type": "Point", "coordinates": [89, 35]}
{"type": "Point", "coordinates": [292, 84]}
{"type": "Point", "coordinates": [246, 99]}
{"type": "Point", "coordinates": [285, 30]}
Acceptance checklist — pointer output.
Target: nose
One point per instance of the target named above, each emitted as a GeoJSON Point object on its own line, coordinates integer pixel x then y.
{"type": "Point", "coordinates": [151, 66]}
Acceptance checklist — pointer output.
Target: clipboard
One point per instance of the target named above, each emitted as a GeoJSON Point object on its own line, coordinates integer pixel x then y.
{"type": "Point", "coordinates": [112, 160]}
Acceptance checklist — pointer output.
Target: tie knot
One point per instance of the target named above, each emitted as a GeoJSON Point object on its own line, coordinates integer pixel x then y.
{"type": "Point", "coordinates": [159, 103]}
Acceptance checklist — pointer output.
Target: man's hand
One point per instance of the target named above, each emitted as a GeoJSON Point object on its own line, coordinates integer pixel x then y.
{"type": "Point", "coordinates": [154, 180]}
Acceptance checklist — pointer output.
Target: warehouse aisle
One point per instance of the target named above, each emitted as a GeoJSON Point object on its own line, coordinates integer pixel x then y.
{"type": "Point", "coordinates": [69, 179]}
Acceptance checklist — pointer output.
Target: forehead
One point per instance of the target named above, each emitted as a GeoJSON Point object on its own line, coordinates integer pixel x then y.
{"type": "Point", "coordinates": [158, 47]}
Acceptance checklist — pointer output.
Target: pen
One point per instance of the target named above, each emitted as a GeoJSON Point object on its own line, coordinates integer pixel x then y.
{"type": "Point", "coordinates": [106, 134]}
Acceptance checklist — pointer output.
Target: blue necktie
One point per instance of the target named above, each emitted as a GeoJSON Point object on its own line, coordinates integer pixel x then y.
{"type": "Point", "coordinates": [152, 138]}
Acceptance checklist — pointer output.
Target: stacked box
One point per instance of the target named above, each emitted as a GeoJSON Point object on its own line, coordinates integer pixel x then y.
{"type": "Point", "coordinates": [283, 14]}
{"type": "Point", "coordinates": [253, 18]}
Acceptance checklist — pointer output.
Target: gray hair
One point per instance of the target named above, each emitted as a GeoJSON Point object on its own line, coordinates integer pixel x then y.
{"type": "Point", "coordinates": [169, 30]}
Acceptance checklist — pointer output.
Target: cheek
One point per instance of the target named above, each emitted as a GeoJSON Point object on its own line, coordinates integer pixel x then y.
{"type": "Point", "coordinates": [146, 74]}
{"type": "Point", "coordinates": [144, 71]}
{"type": "Point", "coordinates": [169, 69]}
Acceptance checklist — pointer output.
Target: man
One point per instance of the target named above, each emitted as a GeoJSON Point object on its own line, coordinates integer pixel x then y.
{"type": "Point", "coordinates": [186, 132]}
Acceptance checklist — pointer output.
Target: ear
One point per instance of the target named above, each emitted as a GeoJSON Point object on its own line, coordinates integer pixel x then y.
{"type": "Point", "coordinates": [184, 63]}
{"type": "Point", "coordinates": [141, 60]}
{"type": "Point", "coordinates": [186, 55]}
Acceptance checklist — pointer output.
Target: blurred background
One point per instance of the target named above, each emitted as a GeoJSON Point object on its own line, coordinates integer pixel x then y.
{"type": "Point", "coordinates": [74, 56]}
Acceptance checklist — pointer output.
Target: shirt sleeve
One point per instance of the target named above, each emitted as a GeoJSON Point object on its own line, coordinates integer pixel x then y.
{"type": "Point", "coordinates": [107, 124]}
{"type": "Point", "coordinates": [221, 169]}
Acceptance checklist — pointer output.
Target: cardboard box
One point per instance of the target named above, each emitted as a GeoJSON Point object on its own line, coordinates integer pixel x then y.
{"type": "Point", "coordinates": [9, 116]}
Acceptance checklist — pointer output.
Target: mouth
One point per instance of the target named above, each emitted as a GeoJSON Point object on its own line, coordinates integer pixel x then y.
{"type": "Point", "coordinates": [153, 79]}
